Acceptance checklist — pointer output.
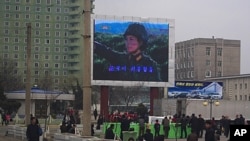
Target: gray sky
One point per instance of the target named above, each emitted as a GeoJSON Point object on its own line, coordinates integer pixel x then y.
{"type": "Point", "coordinates": [228, 19]}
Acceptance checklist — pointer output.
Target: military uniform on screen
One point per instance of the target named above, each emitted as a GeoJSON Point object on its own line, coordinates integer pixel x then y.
{"type": "Point", "coordinates": [128, 67]}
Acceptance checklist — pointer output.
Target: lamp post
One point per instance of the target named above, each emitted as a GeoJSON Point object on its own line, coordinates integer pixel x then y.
{"type": "Point", "coordinates": [211, 102]}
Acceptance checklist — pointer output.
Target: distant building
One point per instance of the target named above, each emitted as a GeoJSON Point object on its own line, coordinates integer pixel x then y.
{"type": "Point", "coordinates": [56, 29]}
{"type": "Point", "coordinates": [201, 58]}
{"type": "Point", "coordinates": [235, 87]}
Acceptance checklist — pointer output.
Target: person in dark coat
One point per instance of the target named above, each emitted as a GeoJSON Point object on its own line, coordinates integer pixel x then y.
{"type": "Point", "coordinates": [193, 136]}
{"type": "Point", "coordinates": [125, 124]}
{"type": "Point", "coordinates": [194, 123]}
{"type": "Point", "coordinates": [148, 136]}
{"type": "Point", "coordinates": [227, 126]}
{"type": "Point", "coordinates": [210, 133]}
{"type": "Point", "coordinates": [183, 122]}
{"type": "Point", "coordinates": [109, 132]}
{"type": "Point", "coordinates": [201, 124]}
{"type": "Point", "coordinates": [157, 128]}
{"type": "Point", "coordinates": [32, 132]}
{"type": "Point", "coordinates": [95, 113]}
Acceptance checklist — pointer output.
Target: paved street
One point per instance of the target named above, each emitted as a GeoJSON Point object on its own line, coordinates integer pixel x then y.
{"type": "Point", "coordinates": [3, 130]}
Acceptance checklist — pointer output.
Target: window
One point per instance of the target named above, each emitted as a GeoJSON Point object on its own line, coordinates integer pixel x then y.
{"type": "Point", "coordinates": [16, 64]}
{"type": "Point", "coordinates": [25, 41]}
{"type": "Point", "coordinates": [235, 86]}
{"type": "Point", "coordinates": [65, 49]}
{"type": "Point", "coordinates": [56, 65]}
{"type": "Point", "coordinates": [27, 1]}
{"type": "Point", "coordinates": [46, 57]}
{"type": "Point", "coordinates": [58, 2]}
{"type": "Point", "coordinates": [235, 97]}
{"type": "Point", "coordinates": [64, 57]}
{"type": "Point", "coordinates": [58, 10]}
{"type": "Point", "coordinates": [46, 72]}
{"type": "Point", "coordinates": [66, 34]}
{"type": "Point", "coordinates": [6, 31]}
{"type": "Point", "coordinates": [245, 97]}
{"type": "Point", "coordinates": [37, 49]}
{"type": "Point", "coordinates": [17, 8]}
{"type": "Point", "coordinates": [27, 8]}
{"type": "Point", "coordinates": [240, 86]}
{"type": "Point", "coordinates": [7, 15]}
{"type": "Point", "coordinates": [56, 81]}
{"type": "Point", "coordinates": [48, 9]}
{"type": "Point", "coordinates": [57, 57]}
{"type": "Point", "coordinates": [6, 39]}
{"type": "Point", "coordinates": [37, 40]}
{"type": "Point", "coordinates": [219, 63]}
{"type": "Point", "coordinates": [36, 72]}
{"type": "Point", "coordinates": [208, 51]}
{"type": "Point", "coordinates": [64, 72]}
{"type": "Point", "coordinates": [16, 56]}
{"type": "Point", "coordinates": [208, 62]}
{"type": "Point", "coordinates": [47, 17]}
{"type": "Point", "coordinates": [36, 56]}
{"type": "Point", "coordinates": [46, 65]}
{"type": "Point", "coordinates": [6, 48]}
{"type": "Point", "coordinates": [208, 73]}
{"type": "Point", "coordinates": [56, 73]}
{"type": "Point", "coordinates": [245, 85]}
{"type": "Point", "coordinates": [5, 55]}
{"type": "Point", "coordinates": [16, 31]}
{"type": "Point", "coordinates": [57, 34]}
{"type": "Point", "coordinates": [47, 33]}
{"type": "Point", "coordinates": [58, 18]}
{"type": "Point", "coordinates": [65, 41]}
{"type": "Point", "coordinates": [17, 16]}
{"type": "Point", "coordinates": [38, 1]}
{"type": "Point", "coordinates": [46, 49]}
{"type": "Point", "coordinates": [17, 24]}
{"type": "Point", "coordinates": [16, 48]}
{"type": "Point", "coordinates": [66, 18]}
{"type": "Point", "coordinates": [6, 24]}
{"type": "Point", "coordinates": [48, 2]}
{"type": "Point", "coordinates": [37, 24]}
{"type": "Point", "coordinates": [37, 32]}
{"type": "Point", "coordinates": [38, 9]}
{"type": "Point", "coordinates": [57, 41]}
{"type": "Point", "coordinates": [36, 64]}
{"type": "Point", "coordinates": [47, 41]}
{"type": "Point", "coordinates": [57, 49]}
{"type": "Point", "coordinates": [57, 26]}
{"type": "Point", "coordinates": [66, 26]}
{"type": "Point", "coordinates": [24, 72]}
{"type": "Point", "coordinates": [240, 97]}
{"type": "Point", "coordinates": [17, 1]}
{"type": "Point", "coordinates": [219, 51]}
{"type": "Point", "coordinates": [37, 17]}
{"type": "Point", "coordinates": [7, 7]}
{"type": "Point", "coordinates": [47, 25]}
{"type": "Point", "coordinates": [65, 65]}
{"type": "Point", "coordinates": [27, 16]}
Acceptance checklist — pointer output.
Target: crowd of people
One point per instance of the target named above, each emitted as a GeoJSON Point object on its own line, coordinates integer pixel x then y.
{"type": "Point", "coordinates": [212, 129]}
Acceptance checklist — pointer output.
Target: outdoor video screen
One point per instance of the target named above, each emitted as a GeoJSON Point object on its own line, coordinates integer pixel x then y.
{"type": "Point", "coordinates": [130, 51]}
{"type": "Point", "coordinates": [196, 90]}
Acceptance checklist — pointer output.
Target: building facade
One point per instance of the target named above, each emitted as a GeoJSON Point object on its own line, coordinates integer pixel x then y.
{"type": "Point", "coordinates": [201, 58]}
{"type": "Point", "coordinates": [56, 26]}
{"type": "Point", "coordinates": [235, 87]}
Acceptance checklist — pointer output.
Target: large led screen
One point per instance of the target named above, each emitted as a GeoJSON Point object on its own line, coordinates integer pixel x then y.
{"type": "Point", "coordinates": [196, 90]}
{"type": "Point", "coordinates": [130, 51]}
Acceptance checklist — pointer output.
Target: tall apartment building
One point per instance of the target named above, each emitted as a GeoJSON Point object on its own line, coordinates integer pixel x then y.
{"type": "Point", "coordinates": [202, 58]}
{"type": "Point", "coordinates": [57, 26]}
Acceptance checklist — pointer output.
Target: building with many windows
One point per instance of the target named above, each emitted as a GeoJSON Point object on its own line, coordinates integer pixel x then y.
{"type": "Point", "coordinates": [202, 58]}
{"type": "Point", "coordinates": [56, 38]}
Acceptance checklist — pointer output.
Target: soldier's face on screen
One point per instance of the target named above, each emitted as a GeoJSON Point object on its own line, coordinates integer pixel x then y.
{"type": "Point", "coordinates": [132, 44]}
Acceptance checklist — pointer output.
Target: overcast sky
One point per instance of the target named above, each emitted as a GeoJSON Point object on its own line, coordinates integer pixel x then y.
{"type": "Point", "coordinates": [228, 19]}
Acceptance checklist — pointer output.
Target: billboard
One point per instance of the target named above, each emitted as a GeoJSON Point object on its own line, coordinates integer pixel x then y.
{"type": "Point", "coordinates": [129, 53]}
{"type": "Point", "coordinates": [196, 90]}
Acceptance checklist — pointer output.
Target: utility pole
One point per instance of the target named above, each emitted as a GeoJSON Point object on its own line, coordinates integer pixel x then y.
{"type": "Point", "coordinates": [28, 76]}
{"type": "Point", "coordinates": [86, 69]}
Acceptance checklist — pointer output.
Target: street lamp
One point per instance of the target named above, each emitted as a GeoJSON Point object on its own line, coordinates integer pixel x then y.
{"type": "Point", "coordinates": [211, 102]}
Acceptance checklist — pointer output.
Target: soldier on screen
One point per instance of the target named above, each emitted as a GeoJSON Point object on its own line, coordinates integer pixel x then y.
{"type": "Point", "coordinates": [133, 65]}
